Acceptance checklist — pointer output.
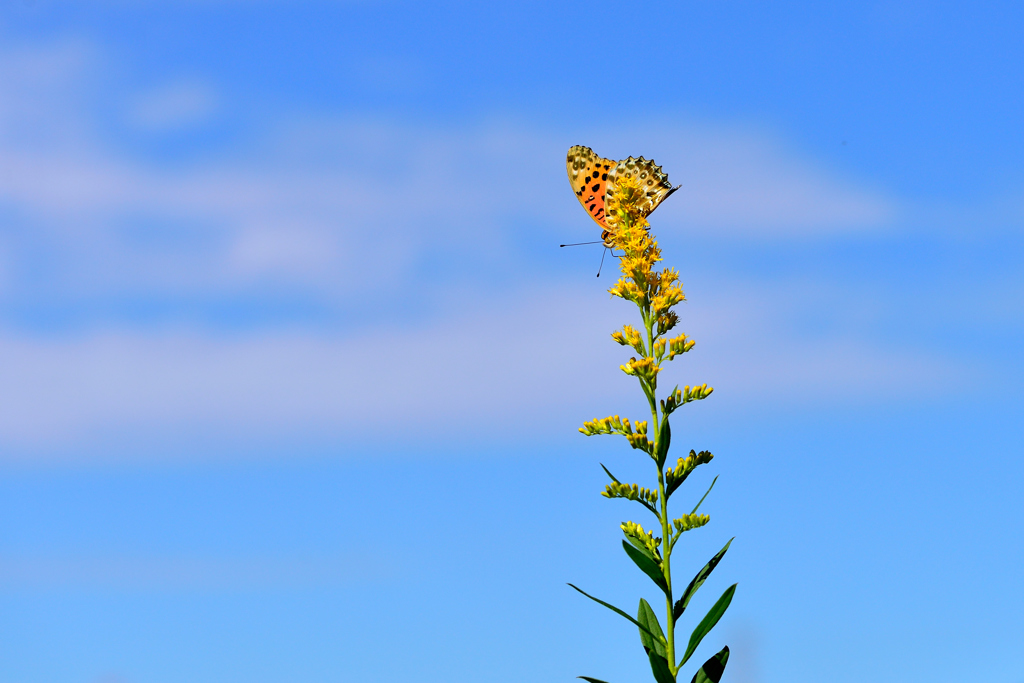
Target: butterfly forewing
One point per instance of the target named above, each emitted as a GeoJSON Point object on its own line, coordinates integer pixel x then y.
{"type": "Point", "coordinates": [588, 174]}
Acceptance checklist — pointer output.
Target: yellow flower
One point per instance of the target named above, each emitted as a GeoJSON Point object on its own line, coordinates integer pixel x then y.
{"type": "Point", "coordinates": [666, 300]}
{"type": "Point", "coordinates": [640, 283]}
{"type": "Point", "coordinates": [623, 208]}
{"type": "Point", "coordinates": [617, 489]}
{"type": "Point", "coordinates": [629, 336]}
{"type": "Point", "coordinates": [691, 521]}
{"type": "Point", "coordinates": [644, 368]}
{"type": "Point", "coordinates": [679, 345]}
{"type": "Point", "coordinates": [645, 539]}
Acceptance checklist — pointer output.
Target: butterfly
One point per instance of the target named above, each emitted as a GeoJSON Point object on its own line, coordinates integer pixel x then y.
{"type": "Point", "coordinates": [593, 180]}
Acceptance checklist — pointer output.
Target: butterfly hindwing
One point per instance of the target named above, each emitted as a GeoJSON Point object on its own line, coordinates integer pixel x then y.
{"type": "Point", "coordinates": [589, 174]}
{"type": "Point", "coordinates": [650, 176]}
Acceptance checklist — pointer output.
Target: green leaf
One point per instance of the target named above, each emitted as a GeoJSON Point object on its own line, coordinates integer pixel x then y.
{"type": "Point", "coordinates": [696, 507]}
{"type": "Point", "coordinates": [612, 476]}
{"type": "Point", "coordinates": [664, 439]}
{"type": "Point", "coordinates": [698, 581]}
{"type": "Point", "coordinates": [645, 615]}
{"type": "Point", "coordinates": [709, 621]}
{"type": "Point", "coordinates": [591, 680]}
{"type": "Point", "coordinates": [659, 666]}
{"type": "Point", "coordinates": [712, 670]}
{"type": "Point", "coordinates": [638, 544]}
{"type": "Point", "coordinates": [614, 609]}
{"type": "Point", "coordinates": [647, 566]}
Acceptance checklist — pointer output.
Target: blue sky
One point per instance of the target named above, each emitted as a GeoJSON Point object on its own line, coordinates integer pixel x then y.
{"type": "Point", "coordinates": [293, 365]}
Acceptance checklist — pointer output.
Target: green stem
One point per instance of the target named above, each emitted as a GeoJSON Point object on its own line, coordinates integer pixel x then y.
{"type": "Point", "coordinates": [670, 631]}
{"type": "Point", "coordinates": [663, 515]}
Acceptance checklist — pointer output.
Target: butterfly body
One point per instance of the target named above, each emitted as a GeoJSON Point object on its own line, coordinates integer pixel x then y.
{"type": "Point", "coordinates": [594, 178]}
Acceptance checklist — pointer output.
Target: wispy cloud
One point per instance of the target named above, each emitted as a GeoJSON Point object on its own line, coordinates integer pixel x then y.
{"type": "Point", "coordinates": [318, 193]}
{"type": "Point", "coordinates": [497, 363]}
{"type": "Point", "coordinates": [320, 203]}
{"type": "Point", "coordinates": [174, 106]}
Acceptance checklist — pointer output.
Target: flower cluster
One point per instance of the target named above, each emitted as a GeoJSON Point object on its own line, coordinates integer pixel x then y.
{"type": "Point", "coordinates": [617, 489]}
{"type": "Point", "coordinates": [687, 522]}
{"type": "Point", "coordinates": [654, 291]}
{"type": "Point", "coordinates": [613, 425]}
{"type": "Point", "coordinates": [685, 395]}
{"type": "Point", "coordinates": [644, 540]}
{"type": "Point", "coordinates": [677, 475]}
{"type": "Point", "coordinates": [630, 336]}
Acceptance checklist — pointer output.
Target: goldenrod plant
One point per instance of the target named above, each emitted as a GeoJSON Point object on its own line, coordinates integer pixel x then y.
{"type": "Point", "coordinates": [655, 293]}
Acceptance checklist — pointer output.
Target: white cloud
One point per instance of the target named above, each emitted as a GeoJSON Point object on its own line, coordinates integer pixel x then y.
{"type": "Point", "coordinates": [534, 357]}
{"type": "Point", "coordinates": [357, 187]}
{"type": "Point", "coordinates": [322, 204]}
{"type": "Point", "coordinates": [288, 248]}
{"type": "Point", "coordinates": [174, 106]}
{"type": "Point", "coordinates": [299, 205]}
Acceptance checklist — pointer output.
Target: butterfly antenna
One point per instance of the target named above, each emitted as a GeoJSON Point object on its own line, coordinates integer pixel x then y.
{"type": "Point", "coordinates": [579, 243]}
{"type": "Point", "coordinates": [602, 261]}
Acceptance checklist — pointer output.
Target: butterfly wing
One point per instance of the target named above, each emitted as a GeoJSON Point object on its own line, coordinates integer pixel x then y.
{"type": "Point", "coordinates": [650, 176]}
{"type": "Point", "coordinates": [589, 175]}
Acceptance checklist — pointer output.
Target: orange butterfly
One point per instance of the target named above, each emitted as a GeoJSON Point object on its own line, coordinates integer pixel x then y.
{"type": "Point", "coordinates": [593, 180]}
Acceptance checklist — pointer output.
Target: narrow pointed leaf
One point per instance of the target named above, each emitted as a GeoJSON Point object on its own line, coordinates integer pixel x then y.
{"type": "Point", "coordinates": [698, 581]}
{"type": "Point", "coordinates": [614, 609]}
{"type": "Point", "coordinates": [591, 680]}
{"type": "Point", "coordinates": [712, 670]}
{"type": "Point", "coordinates": [697, 506]}
{"type": "Point", "coordinates": [709, 621]}
{"type": "Point", "coordinates": [659, 666]}
{"type": "Point", "coordinates": [647, 565]}
{"type": "Point", "coordinates": [612, 477]}
{"type": "Point", "coordinates": [645, 615]}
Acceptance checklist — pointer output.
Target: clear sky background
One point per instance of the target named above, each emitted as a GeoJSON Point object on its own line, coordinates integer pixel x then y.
{"type": "Point", "coordinates": [291, 364]}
